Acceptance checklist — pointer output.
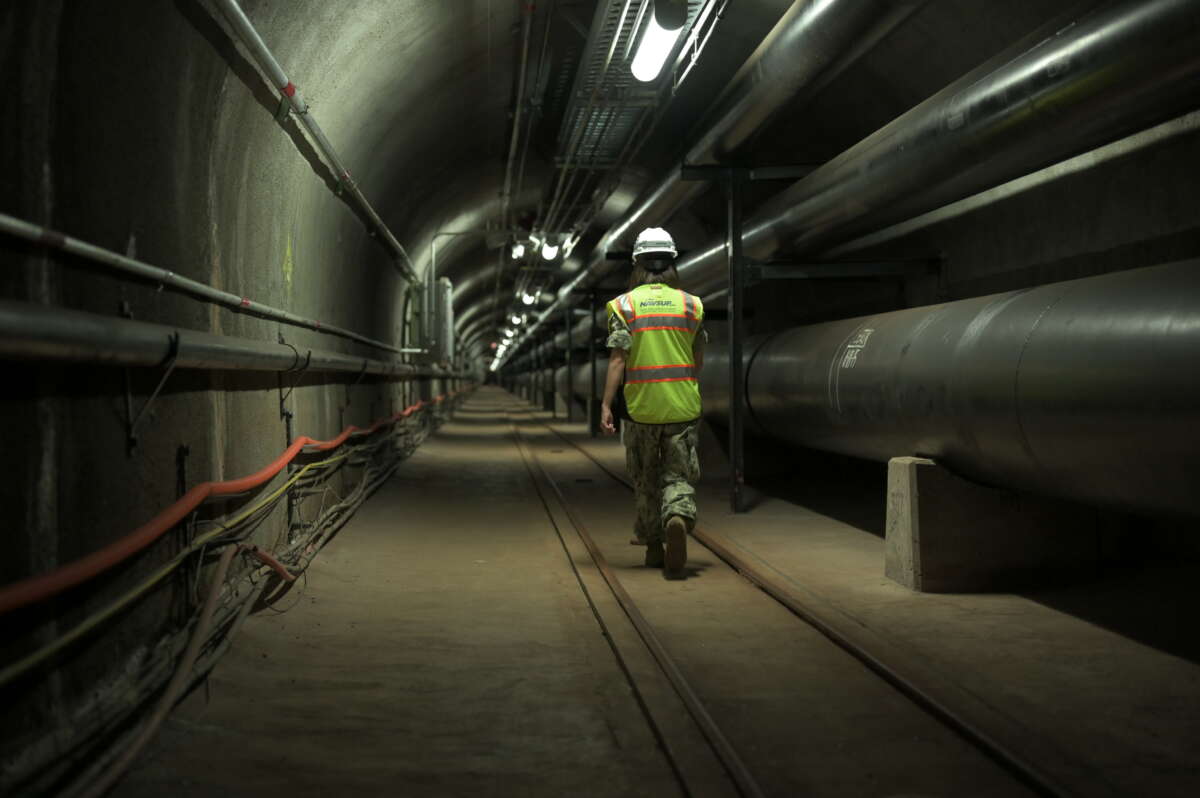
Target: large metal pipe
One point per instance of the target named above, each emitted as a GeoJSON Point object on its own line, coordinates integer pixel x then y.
{"type": "Point", "coordinates": [1087, 389]}
{"type": "Point", "coordinates": [1118, 70]}
{"type": "Point", "coordinates": [37, 332]}
{"type": "Point", "coordinates": [814, 41]}
{"type": "Point", "coordinates": [267, 62]}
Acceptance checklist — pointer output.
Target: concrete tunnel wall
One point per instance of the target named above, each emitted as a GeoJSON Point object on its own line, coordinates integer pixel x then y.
{"type": "Point", "coordinates": [142, 128]}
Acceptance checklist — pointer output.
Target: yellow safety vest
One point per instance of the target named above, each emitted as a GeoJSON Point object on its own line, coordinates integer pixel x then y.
{"type": "Point", "coordinates": [660, 372]}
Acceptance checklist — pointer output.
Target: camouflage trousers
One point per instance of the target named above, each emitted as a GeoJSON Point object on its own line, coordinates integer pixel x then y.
{"type": "Point", "coordinates": [662, 461]}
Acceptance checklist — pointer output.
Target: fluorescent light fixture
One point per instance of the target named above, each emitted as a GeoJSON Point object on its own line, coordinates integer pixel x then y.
{"type": "Point", "coordinates": [516, 319]}
{"type": "Point", "coordinates": [549, 251]}
{"type": "Point", "coordinates": [653, 50]}
{"type": "Point", "coordinates": [569, 246]}
{"type": "Point", "coordinates": [528, 299]}
{"type": "Point", "coordinates": [518, 250]}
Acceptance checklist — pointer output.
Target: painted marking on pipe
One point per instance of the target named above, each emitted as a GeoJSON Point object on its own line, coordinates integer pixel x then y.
{"type": "Point", "coordinates": [289, 90]}
{"type": "Point", "coordinates": [245, 302]}
{"type": "Point", "coordinates": [856, 345]}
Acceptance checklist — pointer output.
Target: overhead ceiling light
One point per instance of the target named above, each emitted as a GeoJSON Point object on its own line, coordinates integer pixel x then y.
{"type": "Point", "coordinates": [549, 251]}
{"type": "Point", "coordinates": [528, 299]}
{"type": "Point", "coordinates": [653, 50]}
{"type": "Point", "coordinates": [516, 319]}
{"type": "Point", "coordinates": [518, 250]}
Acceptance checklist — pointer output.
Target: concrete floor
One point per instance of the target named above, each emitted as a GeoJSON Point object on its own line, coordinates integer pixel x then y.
{"type": "Point", "coordinates": [1094, 681]}
{"type": "Point", "coordinates": [442, 645]}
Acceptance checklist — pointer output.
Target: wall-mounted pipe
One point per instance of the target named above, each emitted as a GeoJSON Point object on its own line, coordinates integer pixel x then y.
{"type": "Point", "coordinates": [1117, 70]}
{"type": "Point", "coordinates": [36, 332]}
{"type": "Point", "coordinates": [813, 42]}
{"type": "Point", "coordinates": [267, 62]}
{"type": "Point", "coordinates": [176, 282]}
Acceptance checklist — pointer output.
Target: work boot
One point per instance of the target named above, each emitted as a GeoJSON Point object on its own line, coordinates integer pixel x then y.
{"type": "Point", "coordinates": [676, 554]}
{"type": "Point", "coordinates": [654, 554]}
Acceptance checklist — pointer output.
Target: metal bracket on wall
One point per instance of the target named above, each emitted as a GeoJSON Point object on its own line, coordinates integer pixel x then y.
{"type": "Point", "coordinates": [298, 369]}
{"type": "Point", "coordinates": [284, 109]}
{"type": "Point", "coordinates": [349, 386]}
{"type": "Point", "coordinates": [132, 421]}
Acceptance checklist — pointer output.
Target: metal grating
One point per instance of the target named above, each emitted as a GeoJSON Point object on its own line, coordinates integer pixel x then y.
{"type": "Point", "coordinates": [607, 104]}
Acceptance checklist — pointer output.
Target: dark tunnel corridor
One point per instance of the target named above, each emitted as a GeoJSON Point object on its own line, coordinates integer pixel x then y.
{"type": "Point", "coordinates": [600, 397]}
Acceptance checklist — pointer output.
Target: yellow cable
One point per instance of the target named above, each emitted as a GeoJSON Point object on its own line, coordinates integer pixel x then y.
{"type": "Point", "coordinates": [36, 657]}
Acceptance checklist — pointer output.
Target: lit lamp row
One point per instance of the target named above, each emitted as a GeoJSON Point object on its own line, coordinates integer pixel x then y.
{"type": "Point", "coordinates": [546, 246]}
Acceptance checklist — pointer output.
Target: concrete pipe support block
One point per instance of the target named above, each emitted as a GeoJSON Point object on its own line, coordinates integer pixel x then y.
{"type": "Point", "coordinates": [945, 534]}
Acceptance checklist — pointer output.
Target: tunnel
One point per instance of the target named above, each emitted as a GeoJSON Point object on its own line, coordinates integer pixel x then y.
{"type": "Point", "coordinates": [310, 315]}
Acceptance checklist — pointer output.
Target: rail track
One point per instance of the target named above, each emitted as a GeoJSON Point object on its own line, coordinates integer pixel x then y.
{"type": "Point", "coordinates": [808, 610]}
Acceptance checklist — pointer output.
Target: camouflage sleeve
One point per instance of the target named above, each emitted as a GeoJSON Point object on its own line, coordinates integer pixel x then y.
{"type": "Point", "coordinates": [619, 336]}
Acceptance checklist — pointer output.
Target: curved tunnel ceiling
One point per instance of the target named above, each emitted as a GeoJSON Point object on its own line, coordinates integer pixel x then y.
{"type": "Point", "coordinates": [417, 97]}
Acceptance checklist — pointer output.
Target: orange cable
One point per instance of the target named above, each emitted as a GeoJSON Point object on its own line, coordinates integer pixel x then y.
{"type": "Point", "coordinates": [43, 586]}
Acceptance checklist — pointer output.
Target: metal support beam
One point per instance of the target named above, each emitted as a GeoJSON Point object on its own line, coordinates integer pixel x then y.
{"type": "Point", "coordinates": [734, 304]}
{"type": "Point", "coordinates": [735, 301]}
{"type": "Point", "coordinates": [733, 180]}
{"type": "Point", "coordinates": [715, 172]}
{"type": "Point", "coordinates": [567, 394]}
{"type": "Point", "coordinates": [757, 272]}
{"type": "Point", "coordinates": [592, 402]}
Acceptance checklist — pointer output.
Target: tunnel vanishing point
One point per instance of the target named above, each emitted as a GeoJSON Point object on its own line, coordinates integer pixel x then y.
{"type": "Point", "coordinates": [271, 266]}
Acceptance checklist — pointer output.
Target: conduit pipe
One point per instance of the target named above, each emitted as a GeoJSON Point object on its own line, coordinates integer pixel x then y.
{"type": "Point", "coordinates": [1116, 71]}
{"type": "Point", "coordinates": [526, 25]}
{"type": "Point", "coordinates": [31, 331]}
{"type": "Point", "coordinates": [812, 43]}
{"type": "Point", "coordinates": [176, 282]}
{"type": "Point", "coordinates": [267, 62]}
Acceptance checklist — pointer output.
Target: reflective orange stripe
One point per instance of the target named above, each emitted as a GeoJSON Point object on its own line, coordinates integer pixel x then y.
{"type": "Point", "coordinates": [652, 321]}
{"type": "Point", "coordinates": [662, 379]}
{"type": "Point", "coordinates": [675, 373]}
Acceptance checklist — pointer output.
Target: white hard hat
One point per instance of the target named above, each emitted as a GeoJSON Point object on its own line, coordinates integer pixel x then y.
{"type": "Point", "coordinates": [654, 239]}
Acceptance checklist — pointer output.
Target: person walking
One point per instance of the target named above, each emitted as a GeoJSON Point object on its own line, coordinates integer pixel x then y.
{"type": "Point", "coordinates": [656, 338]}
